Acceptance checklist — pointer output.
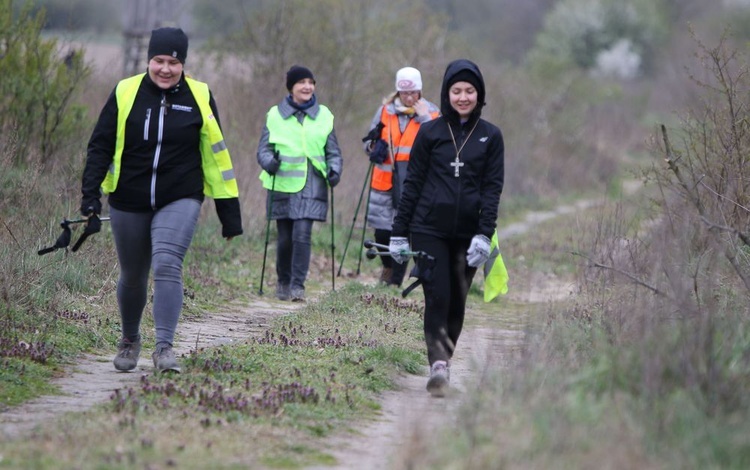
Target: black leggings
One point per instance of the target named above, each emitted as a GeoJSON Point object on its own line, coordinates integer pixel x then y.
{"type": "Point", "coordinates": [445, 291]}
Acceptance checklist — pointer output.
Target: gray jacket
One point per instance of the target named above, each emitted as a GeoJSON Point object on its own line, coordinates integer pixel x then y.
{"type": "Point", "coordinates": [312, 201]}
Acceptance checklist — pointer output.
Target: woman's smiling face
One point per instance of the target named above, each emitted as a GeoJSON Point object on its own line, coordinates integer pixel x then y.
{"type": "Point", "coordinates": [165, 71]}
{"type": "Point", "coordinates": [463, 98]}
{"type": "Point", "coordinates": [303, 90]}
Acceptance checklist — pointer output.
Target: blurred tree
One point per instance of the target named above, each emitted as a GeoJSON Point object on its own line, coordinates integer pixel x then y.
{"type": "Point", "coordinates": [596, 34]}
{"type": "Point", "coordinates": [354, 49]}
{"type": "Point", "coordinates": [38, 87]}
{"type": "Point", "coordinates": [502, 30]}
{"type": "Point", "coordinates": [91, 15]}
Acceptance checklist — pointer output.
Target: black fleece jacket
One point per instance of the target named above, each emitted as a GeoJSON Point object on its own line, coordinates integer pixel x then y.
{"type": "Point", "coordinates": [437, 202]}
{"type": "Point", "coordinates": [161, 160]}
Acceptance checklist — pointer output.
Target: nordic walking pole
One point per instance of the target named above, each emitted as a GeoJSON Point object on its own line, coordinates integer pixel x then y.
{"type": "Point", "coordinates": [268, 232]}
{"type": "Point", "coordinates": [374, 134]}
{"type": "Point", "coordinates": [354, 219]}
{"type": "Point", "coordinates": [364, 227]}
{"type": "Point", "coordinates": [333, 247]}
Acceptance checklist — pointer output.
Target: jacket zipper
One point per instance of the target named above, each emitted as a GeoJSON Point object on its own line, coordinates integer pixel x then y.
{"type": "Point", "coordinates": [157, 152]}
{"type": "Point", "coordinates": [147, 124]}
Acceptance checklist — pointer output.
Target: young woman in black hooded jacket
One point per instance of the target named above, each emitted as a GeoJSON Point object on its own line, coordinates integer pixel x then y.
{"type": "Point", "coordinates": [449, 208]}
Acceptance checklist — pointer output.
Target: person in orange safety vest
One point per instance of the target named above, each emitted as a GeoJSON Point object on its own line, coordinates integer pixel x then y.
{"type": "Point", "coordinates": [401, 115]}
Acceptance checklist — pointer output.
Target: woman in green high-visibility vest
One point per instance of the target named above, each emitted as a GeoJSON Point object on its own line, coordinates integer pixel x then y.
{"type": "Point", "coordinates": [300, 157]}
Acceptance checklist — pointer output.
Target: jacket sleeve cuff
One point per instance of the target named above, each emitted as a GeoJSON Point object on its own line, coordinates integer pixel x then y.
{"type": "Point", "coordinates": [230, 216]}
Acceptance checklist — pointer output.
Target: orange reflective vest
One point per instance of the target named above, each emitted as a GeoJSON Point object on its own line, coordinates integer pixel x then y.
{"type": "Point", "coordinates": [399, 147]}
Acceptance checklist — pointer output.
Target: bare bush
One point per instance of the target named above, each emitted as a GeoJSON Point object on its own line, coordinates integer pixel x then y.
{"type": "Point", "coordinates": [38, 89]}
{"type": "Point", "coordinates": [668, 283]}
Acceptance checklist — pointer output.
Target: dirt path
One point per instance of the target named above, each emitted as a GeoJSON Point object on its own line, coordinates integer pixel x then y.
{"type": "Point", "coordinates": [93, 379]}
{"type": "Point", "coordinates": [407, 415]}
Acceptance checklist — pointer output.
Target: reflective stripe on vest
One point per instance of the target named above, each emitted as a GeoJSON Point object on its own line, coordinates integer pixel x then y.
{"type": "Point", "coordinates": [297, 143]}
{"type": "Point", "coordinates": [218, 175]}
{"type": "Point", "coordinates": [398, 144]}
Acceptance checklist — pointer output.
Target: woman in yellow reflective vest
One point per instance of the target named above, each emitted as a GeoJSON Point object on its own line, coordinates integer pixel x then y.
{"type": "Point", "coordinates": [300, 157]}
{"type": "Point", "coordinates": [156, 151]}
{"type": "Point", "coordinates": [401, 115]}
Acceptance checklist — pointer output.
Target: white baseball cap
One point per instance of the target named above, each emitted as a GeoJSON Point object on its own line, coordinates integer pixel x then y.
{"type": "Point", "coordinates": [408, 79]}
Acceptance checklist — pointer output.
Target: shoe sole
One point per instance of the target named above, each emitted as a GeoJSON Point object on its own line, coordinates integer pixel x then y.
{"type": "Point", "coordinates": [125, 369]}
{"type": "Point", "coordinates": [438, 386]}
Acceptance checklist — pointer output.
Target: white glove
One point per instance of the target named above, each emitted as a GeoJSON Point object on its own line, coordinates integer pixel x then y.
{"type": "Point", "coordinates": [397, 247]}
{"type": "Point", "coordinates": [479, 251]}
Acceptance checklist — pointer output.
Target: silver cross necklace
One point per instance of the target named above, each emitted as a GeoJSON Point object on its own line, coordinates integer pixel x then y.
{"type": "Point", "coordinates": [457, 163]}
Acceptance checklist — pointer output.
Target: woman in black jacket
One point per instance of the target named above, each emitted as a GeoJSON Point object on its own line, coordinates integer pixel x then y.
{"type": "Point", "coordinates": [449, 209]}
{"type": "Point", "coordinates": [156, 150]}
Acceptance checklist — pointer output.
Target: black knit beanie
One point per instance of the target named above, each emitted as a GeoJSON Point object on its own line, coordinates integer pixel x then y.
{"type": "Point", "coordinates": [168, 41]}
{"type": "Point", "coordinates": [297, 73]}
{"type": "Point", "coordinates": [465, 75]}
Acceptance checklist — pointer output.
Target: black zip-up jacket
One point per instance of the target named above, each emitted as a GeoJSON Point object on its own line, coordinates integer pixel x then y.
{"type": "Point", "coordinates": [161, 159]}
{"type": "Point", "coordinates": [435, 201]}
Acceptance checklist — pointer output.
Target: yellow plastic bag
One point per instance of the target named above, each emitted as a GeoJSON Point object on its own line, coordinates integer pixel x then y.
{"type": "Point", "coordinates": [495, 273]}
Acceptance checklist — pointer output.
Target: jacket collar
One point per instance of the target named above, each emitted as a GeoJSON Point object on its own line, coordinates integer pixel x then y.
{"type": "Point", "coordinates": [286, 110]}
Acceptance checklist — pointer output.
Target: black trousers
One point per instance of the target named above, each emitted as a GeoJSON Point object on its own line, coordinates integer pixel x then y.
{"type": "Point", "coordinates": [445, 285]}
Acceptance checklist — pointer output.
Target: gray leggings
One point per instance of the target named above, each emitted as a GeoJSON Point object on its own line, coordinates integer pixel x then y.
{"type": "Point", "coordinates": [153, 240]}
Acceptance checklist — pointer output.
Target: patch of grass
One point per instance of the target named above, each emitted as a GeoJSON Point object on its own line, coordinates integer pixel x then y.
{"type": "Point", "coordinates": [21, 379]}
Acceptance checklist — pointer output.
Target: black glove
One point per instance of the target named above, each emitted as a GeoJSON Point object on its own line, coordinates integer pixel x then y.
{"type": "Point", "coordinates": [93, 225]}
{"type": "Point", "coordinates": [91, 206]}
{"type": "Point", "coordinates": [379, 152]}
{"type": "Point", "coordinates": [333, 178]}
{"type": "Point", "coordinates": [274, 164]}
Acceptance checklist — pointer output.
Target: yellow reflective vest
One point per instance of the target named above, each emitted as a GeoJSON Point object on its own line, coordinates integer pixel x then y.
{"type": "Point", "coordinates": [297, 143]}
{"type": "Point", "coordinates": [218, 175]}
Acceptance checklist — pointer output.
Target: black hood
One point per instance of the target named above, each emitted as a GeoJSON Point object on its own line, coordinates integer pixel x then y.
{"type": "Point", "coordinates": [453, 69]}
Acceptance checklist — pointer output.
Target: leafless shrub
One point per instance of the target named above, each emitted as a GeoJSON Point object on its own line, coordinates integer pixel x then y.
{"type": "Point", "coordinates": [669, 284]}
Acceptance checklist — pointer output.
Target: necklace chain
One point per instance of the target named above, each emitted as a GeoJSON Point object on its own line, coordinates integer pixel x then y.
{"type": "Point", "coordinates": [458, 163]}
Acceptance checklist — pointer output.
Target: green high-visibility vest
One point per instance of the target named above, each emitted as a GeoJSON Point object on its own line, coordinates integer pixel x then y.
{"type": "Point", "coordinates": [297, 143]}
{"type": "Point", "coordinates": [218, 175]}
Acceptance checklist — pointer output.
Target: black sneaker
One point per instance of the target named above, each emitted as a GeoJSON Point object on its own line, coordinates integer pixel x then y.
{"type": "Point", "coordinates": [298, 295]}
{"type": "Point", "coordinates": [127, 354]}
{"type": "Point", "coordinates": [283, 292]}
{"type": "Point", "coordinates": [164, 359]}
{"type": "Point", "coordinates": [439, 380]}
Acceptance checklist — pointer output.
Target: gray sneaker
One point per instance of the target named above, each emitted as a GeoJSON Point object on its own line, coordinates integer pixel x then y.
{"type": "Point", "coordinates": [439, 380]}
{"type": "Point", "coordinates": [164, 358]}
{"type": "Point", "coordinates": [298, 295]}
{"type": "Point", "coordinates": [282, 292]}
{"type": "Point", "coordinates": [127, 354]}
